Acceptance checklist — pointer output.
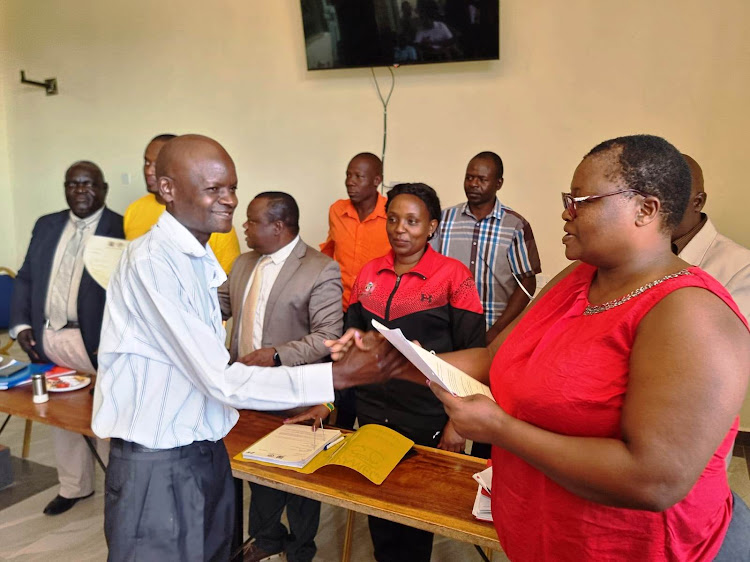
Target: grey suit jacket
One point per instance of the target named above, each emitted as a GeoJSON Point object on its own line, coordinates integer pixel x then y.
{"type": "Point", "coordinates": [303, 309]}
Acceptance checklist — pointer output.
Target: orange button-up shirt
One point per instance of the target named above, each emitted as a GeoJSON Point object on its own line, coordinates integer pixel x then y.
{"type": "Point", "coordinates": [352, 243]}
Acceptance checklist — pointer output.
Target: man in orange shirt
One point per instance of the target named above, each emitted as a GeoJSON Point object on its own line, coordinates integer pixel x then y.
{"type": "Point", "coordinates": [356, 226]}
{"type": "Point", "coordinates": [356, 235]}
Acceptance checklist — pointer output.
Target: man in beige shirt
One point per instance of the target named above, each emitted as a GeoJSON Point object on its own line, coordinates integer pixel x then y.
{"type": "Point", "coordinates": [697, 241]}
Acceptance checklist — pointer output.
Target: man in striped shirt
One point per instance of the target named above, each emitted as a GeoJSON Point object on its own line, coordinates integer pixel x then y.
{"type": "Point", "coordinates": [493, 241]}
{"type": "Point", "coordinates": [165, 393]}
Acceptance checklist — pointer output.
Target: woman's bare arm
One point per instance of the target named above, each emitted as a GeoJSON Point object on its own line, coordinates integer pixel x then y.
{"type": "Point", "coordinates": [688, 375]}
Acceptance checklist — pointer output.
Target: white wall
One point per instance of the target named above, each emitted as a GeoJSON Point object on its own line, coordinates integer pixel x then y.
{"type": "Point", "coordinates": [572, 74]}
{"type": "Point", "coordinates": [8, 253]}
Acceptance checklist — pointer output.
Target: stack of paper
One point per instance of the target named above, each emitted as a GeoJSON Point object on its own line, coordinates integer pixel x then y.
{"type": "Point", "coordinates": [482, 509]}
{"type": "Point", "coordinates": [372, 450]}
{"type": "Point", "coordinates": [291, 445]}
{"type": "Point", "coordinates": [12, 372]}
{"type": "Point", "coordinates": [16, 373]}
{"type": "Point", "coordinates": [8, 366]}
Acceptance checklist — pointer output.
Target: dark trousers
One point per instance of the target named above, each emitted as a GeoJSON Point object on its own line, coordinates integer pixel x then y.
{"type": "Point", "coordinates": [346, 408]}
{"type": "Point", "coordinates": [173, 504]}
{"type": "Point", "coordinates": [266, 507]}
{"type": "Point", "coordinates": [394, 541]}
{"type": "Point", "coordinates": [481, 450]}
{"type": "Point", "coordinates": [736, 545]}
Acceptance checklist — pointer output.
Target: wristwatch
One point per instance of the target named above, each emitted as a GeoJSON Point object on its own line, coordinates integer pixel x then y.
{"type": "Point", "coordinates": [276, 359]}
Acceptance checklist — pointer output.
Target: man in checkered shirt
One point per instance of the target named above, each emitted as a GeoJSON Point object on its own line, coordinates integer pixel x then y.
{"type": "Point", "coordinates": [493, 241]}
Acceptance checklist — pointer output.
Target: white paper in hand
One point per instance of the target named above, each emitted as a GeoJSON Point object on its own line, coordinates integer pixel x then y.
{"type": "Point", "coordinates": [101, 256]}
{"type": "Point", "coordinates": [438, 371]}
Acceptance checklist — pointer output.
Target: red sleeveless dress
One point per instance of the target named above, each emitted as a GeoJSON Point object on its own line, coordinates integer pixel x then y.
{"type": "Point", "coordinates": [568, 373]}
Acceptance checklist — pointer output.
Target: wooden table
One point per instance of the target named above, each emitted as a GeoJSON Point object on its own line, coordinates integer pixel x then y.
{"type": "Point", "coordinates": [66, 410]}
{"type": "Point", "coordinates": [431, 490]}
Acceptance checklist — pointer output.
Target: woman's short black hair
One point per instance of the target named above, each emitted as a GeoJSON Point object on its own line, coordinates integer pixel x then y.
{"type": "Point", "coordinates": [428, 196]}
{"type": "Point", "coordinates": [652, 165]}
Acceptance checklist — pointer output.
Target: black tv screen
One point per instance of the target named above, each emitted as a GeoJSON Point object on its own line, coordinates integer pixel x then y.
{"type": "Point", "coordinates": [360, 33]}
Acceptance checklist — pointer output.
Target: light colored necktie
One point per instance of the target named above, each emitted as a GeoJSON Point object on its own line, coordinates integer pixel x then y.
{"type": "Point", "coordinates": [58, 313]}
{"type": "Point", "coordinates": [250, 308]}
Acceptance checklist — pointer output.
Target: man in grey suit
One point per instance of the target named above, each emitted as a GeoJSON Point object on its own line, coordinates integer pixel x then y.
{"type": "Point", "coordinates": [285, 298]}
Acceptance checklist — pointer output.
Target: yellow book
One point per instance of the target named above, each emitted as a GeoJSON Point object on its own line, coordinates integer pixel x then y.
{"type": "Point", "coordinates": [373, 451]}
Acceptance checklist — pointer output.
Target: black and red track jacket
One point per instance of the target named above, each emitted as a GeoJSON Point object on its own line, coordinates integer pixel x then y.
{"type": "Point", "coordinates": [437, 304]}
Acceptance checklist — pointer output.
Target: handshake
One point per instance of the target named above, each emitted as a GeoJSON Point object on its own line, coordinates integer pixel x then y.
{"type": "Point", "coordinates": [364, 359]}
{"type": "Point", "coordinates": [358, 359]}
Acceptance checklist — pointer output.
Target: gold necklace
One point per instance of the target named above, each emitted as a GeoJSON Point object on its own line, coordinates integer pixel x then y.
{"type": "Point", "coordinates": [596, 309]}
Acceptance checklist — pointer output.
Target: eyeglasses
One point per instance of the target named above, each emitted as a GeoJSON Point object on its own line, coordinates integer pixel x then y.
{"type": "Point", "coordinates": [72, 184]}
{"type": "Point", "coordinates": [571, 203]}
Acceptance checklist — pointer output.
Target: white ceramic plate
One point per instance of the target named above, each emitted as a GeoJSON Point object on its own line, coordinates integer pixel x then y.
{"type": "Point", "coordinates": [66, 383]}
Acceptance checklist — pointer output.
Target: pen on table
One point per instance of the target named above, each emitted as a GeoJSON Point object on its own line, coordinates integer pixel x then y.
{"type": "Point", "coordinates": [333, 443]}
{"type": "Point", "coordinates": [315, 440]}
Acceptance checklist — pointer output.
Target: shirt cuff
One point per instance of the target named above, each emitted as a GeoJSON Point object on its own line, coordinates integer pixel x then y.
{"type": "Point", "coordinates": [318, 379]}
{"type": "Point", "coordinates": [15, 330]}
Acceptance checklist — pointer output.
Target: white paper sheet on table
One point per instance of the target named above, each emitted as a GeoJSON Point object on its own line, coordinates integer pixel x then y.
{"type": "Point", "coordinates": [101, 256]}
{"type": "Point", "coordinates": [446, 375]}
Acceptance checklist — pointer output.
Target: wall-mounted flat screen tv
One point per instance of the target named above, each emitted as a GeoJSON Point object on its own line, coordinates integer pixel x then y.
{"type": "Point", "coordinates": [361, 33]}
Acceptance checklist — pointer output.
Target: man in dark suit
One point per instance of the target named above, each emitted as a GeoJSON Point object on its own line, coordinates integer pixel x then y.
{"type": "Point", "coordinates": [285, 298]}
{"type": "Point", "coordinates": [57, 308]}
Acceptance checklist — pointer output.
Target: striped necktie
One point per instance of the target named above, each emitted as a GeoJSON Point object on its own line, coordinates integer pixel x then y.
{"type": "Point", "coordinates": [250, 307]}
{"type": "Point", "coordinates": [58, 310]}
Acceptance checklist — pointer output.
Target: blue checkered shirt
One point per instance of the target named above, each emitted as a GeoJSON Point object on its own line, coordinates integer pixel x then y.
{"type": "Point", "coordinates": [493, 249]}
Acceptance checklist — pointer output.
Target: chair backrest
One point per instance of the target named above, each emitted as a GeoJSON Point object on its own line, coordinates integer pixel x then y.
{"type": "Point", "coordinates": [6, 292]}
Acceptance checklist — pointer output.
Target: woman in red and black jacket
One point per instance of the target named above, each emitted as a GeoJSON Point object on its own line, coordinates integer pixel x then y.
{"type": "Point", "coordinates": [433, 299]}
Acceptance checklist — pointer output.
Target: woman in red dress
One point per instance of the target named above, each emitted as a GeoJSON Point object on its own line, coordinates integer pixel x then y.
{"type": "Point", "coordinates": [617, 390]}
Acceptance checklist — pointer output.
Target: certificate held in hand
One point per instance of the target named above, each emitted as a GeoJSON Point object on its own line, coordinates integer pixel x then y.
{"type": "Point", "coordinates": [452, 379]}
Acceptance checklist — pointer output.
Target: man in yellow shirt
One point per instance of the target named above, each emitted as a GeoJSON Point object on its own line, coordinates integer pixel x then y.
{"type": "Point", "coordinates": [143, 213]}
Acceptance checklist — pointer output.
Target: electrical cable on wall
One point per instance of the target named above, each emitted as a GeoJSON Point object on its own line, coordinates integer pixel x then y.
{"type": "Point", "coordinates": [384, 101]}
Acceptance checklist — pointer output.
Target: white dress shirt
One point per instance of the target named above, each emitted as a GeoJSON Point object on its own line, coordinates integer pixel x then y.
{"type": "Point", "coordinates": [91, 222]}
{"type": "Point", "coordinates": [270, 273]}
{"type": "Point", "coordinates": [164, 379]}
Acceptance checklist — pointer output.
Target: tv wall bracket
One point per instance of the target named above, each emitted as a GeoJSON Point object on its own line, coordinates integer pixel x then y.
{"type": "Point", "coordinates": [50, 84]}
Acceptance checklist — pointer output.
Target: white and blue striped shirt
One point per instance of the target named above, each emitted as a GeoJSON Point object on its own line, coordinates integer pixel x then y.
{"type": "Point", "coordinates": [164, 379]}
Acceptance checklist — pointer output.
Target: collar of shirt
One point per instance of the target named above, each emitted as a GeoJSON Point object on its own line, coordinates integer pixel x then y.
{"type": "Point", "coordinates": [378, 212]}
{"type": "Point", "coordinates": [497, 210]}
{"type": "Point", "coordinates": [424, 268]}
{"type": "Point", "coordinates": [679, 244]}
{"type": "Point", "coordinates": [280, 255]}
{"type": "Point", "coordinates": [88, 221]}
{"type": "Point", "coordinates": [180, 237]}
{"type": "Point", "coordinates": [695, 250]}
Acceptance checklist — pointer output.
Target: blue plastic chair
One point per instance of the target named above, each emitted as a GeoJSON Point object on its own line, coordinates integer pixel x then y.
{"type": "Point", "coordinates": [6, 291]}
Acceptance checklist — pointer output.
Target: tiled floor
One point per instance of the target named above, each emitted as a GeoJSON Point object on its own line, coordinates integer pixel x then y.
{"type": "Point", "coordinates": [28, 535]}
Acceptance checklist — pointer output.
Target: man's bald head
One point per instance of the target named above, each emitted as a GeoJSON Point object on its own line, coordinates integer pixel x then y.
{"type": "Point", "coordinates": [88, 164]}
{"type": "Point", "coordinates": [371, 160]}
{"type": "Point", "coordinates": [694, 211]}
{"type": "Point", "coordinates": [696, 176]}
{"type": "Point", "coordinates": [184, 152]}
{"type": "Point", "coordinates": [197, 180]}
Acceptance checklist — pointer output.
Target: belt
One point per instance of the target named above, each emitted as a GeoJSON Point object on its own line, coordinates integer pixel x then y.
{"type": "Point", "coordinates": [69, 325]}
{"type": "Point", "coordinates": [133, 447]}
{"type": "Point", "coordinates": [120, 447]}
